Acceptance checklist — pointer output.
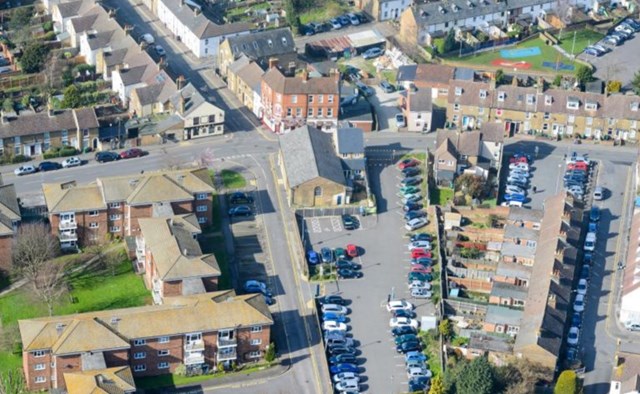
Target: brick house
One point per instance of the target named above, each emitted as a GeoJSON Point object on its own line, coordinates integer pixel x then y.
{"type": "Point", "coordinates": [9, 220]}
{"type": "Point", "coordinates": [111, 207]}
{"type": "Point", "coordinates": [418, 110]}
{"type": "Point", "coordinates": [197, 330]}
{"type": "Point", "coordinates": [294, 101]}
{"type": "Point", "coordinates": [168, 253]}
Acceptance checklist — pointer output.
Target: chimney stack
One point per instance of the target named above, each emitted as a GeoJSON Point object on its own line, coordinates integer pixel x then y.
{"type": "Point", "coordinates": [514, 81]}
{"type": "Point", "coordinates": [540, 87]}
{"type": "Point", "coordinates": [185, 252]}
{"type": "Point", "coordinates": [50, 110]}
{"type": "Point", "coordinates": [197, 11]}
{"type": "Point", "coordinates": [160, 64]}
{"type": "Point", "coordinates": [273, 62]}
{"type": "Point", "coordinates": [305, 75]}
{"type": "Point", "coordinates": [182, 104]}
{"type": "Point", "coordinates": [180, 82]}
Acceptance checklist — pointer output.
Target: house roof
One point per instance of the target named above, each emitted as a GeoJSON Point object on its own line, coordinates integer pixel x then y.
{"type": "Point", "coordinates": [116, 380]}
{"type": "Point", "coordinates": [86, 21]}
{"type": "Point", "coordinates": [522, 250]}
{"type": "Point", "coordinates": [298, 85]}
{"type": "Point", "coordinates": [251, 74]}
{"type": "Point", "coordinates": [263, 44]}
{"type": "Point", "coordinates": [420, 101]}
{"type": "Point", "coordinates": [497, 314]}
{"type": "Point", "coordinates": [511, 270]}
{"type": "Point", "coordinates": [492, 132]}
{"type": "Point", "coordinates": [9, 202]}
{"type": "Point", "coordinates": [465, 92]}
{"type": "Point", "coordinates": [453, 10]}
{"type": "Point", "coordinates": [308, 154]}
{"type": "Point", "coordinates": [465, 143]}
{"type": "Point", "coordinates": [517, 214]}
{"type": "Point", "coordinates": [206, 312]}
{"type": "Point", "coordinates": [38, 123]}
{"type": "Point", "coordinates": [521, 232]}
{"type": "Point", "coordinates": [358, 112]}
{"type": "Point", "coordinates": [177, 255]}
{"type": "Point", "coordinates": [407, 73]}
{"type": "Point", "coordinates": [350, 140]}
{"type": "Point", "coordinates": [621, 106]}
{"type": "Point", "coordinates": [156, 93]}
{"type": "Point", "coordinates": [435, 75]}
{"type": "Point", "coordinates": [507, 290]}
{"type": "Point", "coordinates": [193, 100]}
{"type": "Point", "coordinates": [64, 197]}
{"type": "Point", "coordinates": [74, 8]}
{"type": "Point", "coordinates": [190, 15]}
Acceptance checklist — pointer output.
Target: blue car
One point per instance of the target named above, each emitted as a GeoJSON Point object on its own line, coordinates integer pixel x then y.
{"type": "Point", "coordinates": [343, 367]}
{"type": "Point", "coordinates": [514, 197]}
{"type": "Point", "coordinates": [312, 257]}
{"type": "Point", "coordinates": [576, 320]}
{"type": "Point", "coordinates": [594, 214]}
{"type": "Point", "coordinates": [584, 272]}
{"type": "Point", "coordinates": [587, 258]}
{"type": "Point", "coordinates": [334, 317]}
{"type": "Point", "coordinates": [593, 227]}
{"type": "Point", "coordinates": [415, 356]}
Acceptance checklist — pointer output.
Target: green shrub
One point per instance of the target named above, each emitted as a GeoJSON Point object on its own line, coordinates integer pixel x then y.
{"type": "Point", "coordinates": [47, 26]}
{"type": "Point", "coordinates": [270, 355]}
{"type": "Point", "coordinates": [20, 159]}
{"type": "Point", "coordinates": [439, 44]}
{"type": "Point", "coordinates": [50, 36]}
{"type": "Point", "coordinates": [68, 151]}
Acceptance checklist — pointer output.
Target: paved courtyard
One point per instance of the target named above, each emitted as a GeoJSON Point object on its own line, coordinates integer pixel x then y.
{"type": "Point", "coordinates": [618, 65]}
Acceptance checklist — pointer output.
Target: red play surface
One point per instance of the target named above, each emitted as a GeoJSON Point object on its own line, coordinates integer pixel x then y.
{"type": "Point", "coordinates": [511, 63]}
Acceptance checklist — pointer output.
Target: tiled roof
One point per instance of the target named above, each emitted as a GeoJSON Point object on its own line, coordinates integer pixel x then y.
{"type": "Point", "coordinates": [263, 44]}
{"type": "Point", "coordinates": [251, 74]}
{"type": "Point", "coordinates": [525, 214]}
{"type": "Point", "coordinates": [516, 98]}
{"type": "Point", "coordinates": [39, 123]}
{"type": "Point", "coordinates": [465, 142]}
{"type": "Point", "coordinates": [492, 132]}
{"type": "Point", "coordinates": [74, 8]}
{"type": "Point", "coordinates": [522, 250]}
{"type": "Point", "coordinates": [497, 314]}
{"type": "Point", "coordinates": [468, 93]}
{"type": "Point", "coordinates": [507, 290]}
{"type": "Point", "coordinates": [513, 270]}
{"type": "Point", "coordinates": [458, 10]}
{"type": "Point", "coordinates": [200, 26]}
{"type": "Point", "coordinates": [194, 101]}
{"type": "Point", "coordinates": [73, 198]}
{"type": "Point", "coordinates": [9, 202]}
{"type": "Point", "coordinates": [116, 380]}
{"type": "Point", "coordinates": [298, 85]}
{"type": "Point", "coordinates": [420, 101]}
{"type": "Point", "coordinates": [206, 312]}
{"type": "Point", "coordinates": [350, 141]}
{"type": "Point", "coordinates": [437, 75]}
{"type": "Point", "coordinates": [524, 233]}
{"type": "Point", "coordinates": [622, 107]}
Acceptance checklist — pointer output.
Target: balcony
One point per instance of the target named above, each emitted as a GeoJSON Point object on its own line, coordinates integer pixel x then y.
{"type": "Point", "coordinates": [226, 342]}
{"type": "Point", "coordinates": [194, 346]}
{"type": "Point", "coordinates": [68, 225]}
{"type": "Point", "coordinates": [194, 358]}
{"type": "Point", "coordinates": [227, 354]}
{"type": "Point", "coordinates": [67, 236]}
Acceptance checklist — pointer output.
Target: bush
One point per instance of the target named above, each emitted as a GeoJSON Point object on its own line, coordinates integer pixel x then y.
{"type": "Point", "coordinates": [20, 159]}
{"type": "Point", "coordinates": [614, 86]}
{"type": "Point", "coordinates": [47, 26]}
{"type": "Point", "coordinates": [557, 81]}
{"type": "Point", "coordinates": [49, 36]}
{"type": "Point", "coordinates": [67, 151]}
{"type": "Point", "coordinates": [438, 43]}
{"type": "Point", "coordinates": [270, 355]}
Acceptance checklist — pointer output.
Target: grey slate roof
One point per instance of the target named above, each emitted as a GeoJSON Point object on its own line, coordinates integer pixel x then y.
{"type": "Point", "coordinates": [350, 141]}
{"type": "Point", "coordinates": [524, 233]}
{"type": "Point", "coordinates": [522, 250]}
{"type": "Point", "coordinates": [193, 99]}
{"type": "Point", "coordinates": [464, 74]}
{"type": "Point", "coordinates": [263, 44]}
{"type": "Point", "coordinates": [240, 62]}
{"type": "Point", "coordinates": [199, 24]}
{"type": "Point", "coordinates": [507, 290]}
{"type": "Point", "coordinates": [42, 122]}
{"type": "Point", "coordinates": [407, 73]}
{"type": "Point", "coordinates": [487, 342]}
{"type": "Point", "coordinates": [502, 315]}
{"type": "Point", "coordinates": [513, 270]}
{"type": "Point", "coordinates": [354, 164]}
{"type": "Point", "coordinates": [308, 154]}
{"type": "Point", "coordinates": [420, 101]}
{"type": "Point", "coordinates": [358, 112]}
{"type": "Point", "coordinates": [453, 10]}
{"type": "Point", "coordinates": [525, 214]}
{"type": "Point", "coordinates": [74, 8]}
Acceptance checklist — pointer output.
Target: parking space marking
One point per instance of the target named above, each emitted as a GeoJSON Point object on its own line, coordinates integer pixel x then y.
{"type": "Point", "coordinates": [336, 224]}
{"type": "Point", "coordinates": [315, 225]}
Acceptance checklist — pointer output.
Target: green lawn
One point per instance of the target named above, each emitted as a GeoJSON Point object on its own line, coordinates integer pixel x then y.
{"type": "Point", "coordinates": [548, 54]}
{"type": "Point", "coordinates": [584, 38]}
{"type": "Point", "coordinates": [92, 290]}
{"type": "Point", "coordinates": [170, 380]}
{"type": "Point", "coordinates": [232, 179]}
{"type": "Point", "coordinates": [322, 11]}
{"type": "Point", "coordinates": [440, 195]}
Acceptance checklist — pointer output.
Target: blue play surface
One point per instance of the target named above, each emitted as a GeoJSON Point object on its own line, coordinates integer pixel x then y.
{"type": "Point", "coordinates": [518, 53]}
{"type": "Point", "coordinates": [559, 66]}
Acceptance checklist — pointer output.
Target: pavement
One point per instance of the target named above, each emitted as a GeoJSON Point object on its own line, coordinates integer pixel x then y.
{"type": "Point", "coordinates": [618, 65]}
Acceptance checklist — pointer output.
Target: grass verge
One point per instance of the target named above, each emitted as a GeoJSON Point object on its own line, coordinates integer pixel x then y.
{"type": "Point", "coordinates": [170, 380]}
{"type": "Point", "coordinates": [322, 11]}
{"type": "Point", "coordinates": [440, 195]}
{"type": "Point", "coordinates": [232, 179]}
{"type": "Point", "coordinates": [583, 38]}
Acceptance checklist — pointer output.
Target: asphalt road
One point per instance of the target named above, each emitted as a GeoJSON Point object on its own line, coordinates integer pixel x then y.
{"type": "Point", "coordinates": [618, 65]}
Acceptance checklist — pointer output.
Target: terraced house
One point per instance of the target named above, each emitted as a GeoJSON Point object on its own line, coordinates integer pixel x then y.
{"type": "Point", "coordinates": [74, 352]}
{"type": "Point", "coordinates": [111, 206]}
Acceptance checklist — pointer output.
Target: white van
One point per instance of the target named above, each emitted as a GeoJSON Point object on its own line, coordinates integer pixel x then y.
{"type": "Point", "coordinates": [598, 193]}
{"type": "Point", "coordinates": [147, 39]}
{"type": "Point", "coordinates": [590, 242]}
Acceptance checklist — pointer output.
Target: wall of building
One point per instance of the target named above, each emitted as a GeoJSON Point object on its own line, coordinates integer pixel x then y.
{"type": "Point", "coordinates": [151, 359]}
{"type": "Point", "coordinates": [303, 195]}
{"type": "Point", "coordinates": [6, 243]}
{"type": "Point", "coordinates": [244, 337]}
{"type": "Point", "coordinates": [210, 283]}
{"type": "Point", "coordinates": [29, 362]}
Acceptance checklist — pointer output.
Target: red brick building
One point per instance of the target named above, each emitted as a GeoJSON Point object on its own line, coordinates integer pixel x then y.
{"type": "Point", "coordinates": [198, 330]}
{"type": "Point", "coordinates": [9, 220]}
{"type": "Point", "coordinates": [111, 207]}
{"type": "Point", "coordinates": [170, 257]}
{"type": "Point", "coordinates": [291, 102]}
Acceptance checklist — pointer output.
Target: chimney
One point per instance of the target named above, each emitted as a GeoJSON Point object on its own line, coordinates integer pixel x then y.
{"type": "Point", "coordinates": [185, 252]}
{"type": "Point", "coordinates": [305, 75]}
{"type": "Point", "coordinates": [180, 82]}
{"type": "Point", "coordinates": [60, 328]}
{"type": "Point", "coordinates": [161, 64]}
{"type": "Point", "coordinates": [182, 104]}
{"type": "Point", "coordinates": [540, 87]}
{"type": "Point", "coordinates": [514, 81]}
{"type": "Point", "coordinates": [128, 29]}
{"type": "Point", "coordinates": [273, 62]}
{"type": "Point", "coordinates": [197, 11]}
{"type": "Point", "coordinates": [112, 13]}
{"type": "Point", "coordinates": [492, 82]}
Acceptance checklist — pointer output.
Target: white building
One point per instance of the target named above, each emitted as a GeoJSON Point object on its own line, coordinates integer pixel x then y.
{"type": "Point", "coordinates": [630, 300]}
{"type": "Point", "coordinates": [185, 20]}
{"type": "Point", "coordinates": [63, 12]}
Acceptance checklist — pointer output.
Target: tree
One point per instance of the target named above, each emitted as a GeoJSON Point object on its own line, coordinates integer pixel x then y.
{"type": "Point", "coordinates": [499, 76]}
{"type": "Point", "coordinates": [7, 105]}
{"type": "Point", "coordinates": [614, 86]}
{"type": "Point", "coordinates": [636, 82]}
{"type": "Point", "coordinates": [34, 57]}
{"type": "Point", "coordinates": [557, 81]}
{"type": "Point", "coordinates": [270, 354]}
{"type": "Point", "coordinates": [567, 383]}
{"type": "Point", "coordinates": [437, 387]}
{"type": "Point", "coordinates": [32, 254]}
{"type": "Point", "coordinates": [445, 328]}
{"type": "Point", "coordinates": [21, 17]}
{"type": "Point", "coordinates": [471, 185]}
{"type": "Point", "coordinates": [12, 382]}
{"type": "Point", "coordinates": [584, 74]}
{"type": "Point", "coordinates": [452, 373]}
{"type": "Point", "coordinates": [476, 378]}
{"type": "Point", "coordinates": [450, 41]}
{"type": "Point", "coordinates": [72, 97]}
{"type": "Point", "coordinates": [519, 376]}
{"type": "Point", "coordinates": [291, 11]}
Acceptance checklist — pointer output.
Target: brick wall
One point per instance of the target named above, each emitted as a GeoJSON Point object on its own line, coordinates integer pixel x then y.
{"type": "Point", "coordinates": [29, 362]}
{"type": "Point", "coordinates": [136, 212]}
{"type": "Point", "coordinates": [172, 288]}
{"type": "Point", "coordinates": [152, 357]}
{"type": "Point", "coordinates": [6, 243]}
{"type": "Point", "coordinates": [210, 347]}
{"type": "Point", "coordinates": [88, 235]}
{"type": "Point", "coordinates": [66, 364]}
{"type": "Point", "coordinates": [182, 207]}
{"type": "Point", "coordinates": [208, 202]}
{"type": "Point", "coordinates": [210, 283]}
{"type": "Point", "coordinates": [116, 358]}
{"type": "Point", "coordinates": [244, 337]}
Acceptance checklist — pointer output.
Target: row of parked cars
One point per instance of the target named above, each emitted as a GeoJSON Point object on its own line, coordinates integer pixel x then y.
{"type": "Point", "coordinates": [349, 19]}
{"type": "Point", "coordinates": [241, 202]}
{"type": "Point", "coordinates": [421, 272]}
{"type": "Point", "coordinates": [338, 258]}
{"type": "Point", "coordinates": [620, 33]}
{"type": "Point", "coordinates": [404, 328]}
{"type": "Point", "coordinates": [515, 194]}
{"type": "Point", "coordinates": [410, 194]}
{"type": "Point", "coordinates": [341, 348]}
{"type": "Point", "coordinates": [577, 175]}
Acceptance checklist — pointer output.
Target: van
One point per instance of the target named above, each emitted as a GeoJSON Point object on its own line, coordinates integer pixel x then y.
{"type": "Point", "coordinates": [590, 242]}
{"type": "Point", "coordinates": [339, 341]}
{"type": "Point", "coordinates": [598, 193]}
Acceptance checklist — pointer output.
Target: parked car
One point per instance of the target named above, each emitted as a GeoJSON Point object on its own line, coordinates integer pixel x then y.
{"type": "Point", "coordinates": [592, 52]}
{"type": "Point", "coordinates": [147, 39]}
{"type": "Point", "coordinates": [594, 214]}
{"type": "Point", "coordinates": [421, 237]}
{"type": "Point", "coordinates": [408, 347]}
{"type": "Point", "coordinates": [416, 223]}
{"type": "Point", "coordinates": [327, 255]}
{"type": "Point", "coordinates": [576, 319]}
{"type": "Point", "coordinates": [346, 273]}
{"type": "Point", "coordinates": [71, 162]}
{"type": "Point", "coordinates": [372, 53]}
{"type": "Point", "coordinates": [593, 227]}
{"type": "Point", "coordinates": [364, 90]}
{"type": "Point", "coordinates": [411, 171]}
{"type": "Point", "coordinates": [240, 198]}
{"type": "Point", "coordinates": [49, 166]}
{"type": "Point", "coordinates": [418, 253]}
{"type": "Point", "coordinates": [598, 193]}
{"type": "Point", "coordinates": [405, 338]}
{"type": "Point", "coordinates": [411, 198]}
{"type": "Point", "coordinates": [353, 19]}
{"type": "Point", "coordinates": [412, 180]}
{"type": "Point", "coordinates": [387, 87]}
{"type": "Point", "coordinates": [418, 384]}
{"type": "Point", "coordinates": [343, 367]}
{"type": "Point", "coordinates": [400, 121]}
{"type": "Point", "coordinates": [335, 24]}
{"type": "Point", "coordinates": [103, 157]}
{"type": "Point", "coordinates": [414, 214]}
{"type": "Point", "coordinates": [578, 304]}
{"type": "Point", "coordinates": [403, 313]}
{"type": "Point", "coordinates": [419, 244]}
{"type": "Point", "coordinates": [585, 271]}
{"type": "Point", "coordinates": [422, 261]}
{"type": "Point", "coordinates": [132, 153]}
{"type": "Point", "coordinates": [514, 189]}
{"type": "Point", "coordinates": [340, 349]}
{"type": "Point", "coordinates": [411, 206]}
{"type": "Point", "coordinates": [24, 170]}
{"type": "Point", "coordinates": [345, 264]}
{"type": "Point", "coordinates": [415, 356]}
{"type": "Point", "coordinates": [344, 20]}
{"type": "Point", "coordinates": [349, 222]}
{"type": "Point", "coordinates": [255, 286]}
{"type": "Point", "coordinates": [421, 268]}
{"type": "Point", "coordinates": [399, 304]}
{"type": "Point", "coordinates": [421, 293]}
{"type": "Point", "coordinates": [340, 253]}
{"type": "Point", "coordinates": [312, 257]}
{"type": "Point", "coordinates": [346, 376]}
{"type": "Point", "coordinates": [345, 386]}
{"type": "Point", "coordinates": [352, 250]}
{"type": "Point", "coordinates": [411, 276]}
{"type": "Point", "coordinates": [419, 284]}
{"type": "Point", "coordinates": [332, 325]}
{"type": "Point", "coordinates": [590, 242]}
{"type": "Point", "coordinates": [403, 330]}
{"type": "Point", "coordinates": [582, 286]}
{"type": "Point", "coordinates": [160, 51]}
{"type": "Point", "coordinates": [404, 190]}
{"type": "Point", "coordinates": [515, 197]}
{"type": "Point", "coordinates": [340, 318]}
{"type": "Point", "coordinates": [334, 308]}
{"type": "Point", "coordinates": [241, 210]}
{"type": "Point", "coordinates": [408, 163]}
{"type": "Point", "coordinates": [572, 337]}
{"type": "Point", "coordinates": [403, 321]}
{"type": "Point", "coordinates": [632, 326]}
{"type": "Point", "coordinates": [331, 299]}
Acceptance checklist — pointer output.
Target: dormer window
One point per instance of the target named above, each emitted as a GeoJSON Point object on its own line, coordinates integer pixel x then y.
{"type": "Point", "coordinates": [458, 91]}
{"type": "Point", "coordinates": [483, 94]}
{"type": "Point", "coordinates": [530, 99]}
{"type": "Point", "coordinates": [501, 96]}
{"type": "Point", "coordinates": [284, 41]}
{"type": "Point", "coordinates": [573, 103]}
{"type": "Point", "coordinates": [591, 105]}
{"type": "Point", "coordinates": [548, 100]}
{"type": "Point", "coordinates": [270, 43]}
{"type": "Point", "coordinates": [634, 107]}
{"type": "Point", "coordinates": [441, 9]}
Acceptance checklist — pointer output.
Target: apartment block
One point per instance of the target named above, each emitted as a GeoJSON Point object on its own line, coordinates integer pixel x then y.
{"type": "Point", "coordinates": [111, 206]}
{"type": "Point", "coordinates": [204, 330]}
{"type": "Point", "coordinates": [9, 221]}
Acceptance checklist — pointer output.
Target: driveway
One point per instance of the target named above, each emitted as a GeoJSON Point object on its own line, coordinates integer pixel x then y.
{"type": "Point", "coordinates": [618, 65]}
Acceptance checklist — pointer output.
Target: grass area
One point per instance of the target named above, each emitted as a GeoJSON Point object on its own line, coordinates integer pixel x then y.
{"type": "Point", "coordinates": [432, 350]}
{"type": "Point", "coordinates": [322, 11]}
{"type": "Point", "coordinates": [170, 380]}
{"type": "Point", "coordinates": [583, 38]}
{"type": "Point", "coordinates": [390, 76]}
{"type": "Point", "coordinates": [548, 54]}
{"type": "Point", "coordinates": [92, 289]}
{"type": "Point", "coordinates": [240, 11]}
{"type": "Point", "coordinates": [440, 195]}
{"type": "Point", "coordinates": [232, 179]}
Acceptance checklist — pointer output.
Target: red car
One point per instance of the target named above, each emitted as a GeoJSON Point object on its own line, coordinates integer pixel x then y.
{"type": "Point", "coordinates": [131, 153]}
{"type": "Point", "coordinates": [352, 250]}
{"type": "Point", "coordinates": [406, 163]}
{"type": "Point", "coordinates": [421, 268]}
{"type": "Point", "coordinates": [520, 159]}
{"type": "Point", "coordinates": [581, 165]}
{"type": "Point", "coordinates": [419, 252]}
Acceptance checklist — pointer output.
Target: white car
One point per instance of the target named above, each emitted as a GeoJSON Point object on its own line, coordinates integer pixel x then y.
{"type": "Point", "coordinates": [334, 308]}
{"type": "Point", "coordinates": [403, 321]}
{"type": "Point", "coordinates": [348, 385]}
{"type": "Point", "coordinates": [353, 19]}
{"type": "Point", "coordinates": [345, 376]}
{"type": "Point", "coordinates": [632, 326]}
{"type": "Point", "coordinates": [415, 224]}
{"type": "Point", "coordinates": [335, 24]}
{"type": "Point", "coordinates": [512, 204]}
{"type": "Point", "coordinates": [24, 170]}
{"type": "Point", "coordinates": [418, 284]}
{"type": "Point", "coordinates": [400, 121]}
{"type": "Point", "coordinates": [331, 325]}
{"type": "Point", "coordinates": [418, 372]}
{"type": "Point", "coordinates": [578, 304]}
{"type": "Point", "coordinates": [590, 242]}
{"type": "Point", "coordinates": [398, 305]}
{"type": "Point", "coordinates": [574, 334]}
{"type": "Point", "coordinates": [578, 159]}
{"type": "Point", "coordinates": [421, 293]}
{"type": "Point", "coordinates": [582, 287]}
{"type": "Point", "coordinates": [71, 162]}
{"type": "Point", "coordinates": [514, 189]}
{"type": "Point", "coordinates": [519, 166]}
{"type": "Point", "coordinates": [426, 245]}
{"type": "Point", "coordinates": [519, 173]}
{"type": "Point", "coordinates": [147, 39]}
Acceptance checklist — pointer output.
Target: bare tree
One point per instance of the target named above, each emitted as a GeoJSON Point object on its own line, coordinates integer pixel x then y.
{"type": "Point", "coordinates": [33, 252]}
{"type": "Point", "coordinates": [112, 260]}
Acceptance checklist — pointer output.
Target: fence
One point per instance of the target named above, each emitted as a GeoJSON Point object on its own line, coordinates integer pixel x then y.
{"type": "Point", "coordinates": [457, 308]}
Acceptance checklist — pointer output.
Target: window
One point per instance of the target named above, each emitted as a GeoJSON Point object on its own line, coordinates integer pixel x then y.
{"type": "Point", "coordinates": [278, 97]}
{"type": "Point", "coordinates": [163, 365]}
{"type": "Point", "coordinates": [254, 354]}
{"type": "Point", "coordinates": [298, 112]}
{"type": "Point", "coordinates": [330, 97]}
{"type": "Point", "coordinates": [65, 137]}
{"type": "Point", "coordinates": [458, 91]}
{"type": "Point", "coordinates": [38, 353]}
{"type": "Point", "coordinates": [114, 229]}
{"type": "Point", "coordinates": [587, 131]}
{"type": "Point", "coordinates": [591, 106]}
{"type": "Point", "coordinates": [573, 104]}
{"type": "Point", "coordinates": [40, 379]}
{"type": "Point", "coordinates": [256, 342]}
{"type": "Point", "coordinates": [310, 98]}
{"type": "Point", "coordinates": [527, 115]}
{"type": "Point", "coordinates": [310, 112]}
{"type": "Point", "coordinates": [317, 191]}
{"type": "Point", "coordinates": [547, 116]}
{"type": "Point", "coordinates": [454, 119]}
{"type": "Point", "coordinates": [201, 208]}
{"type": "Point", "coordinates": [139, 368]}
{"type": "Point", "coordinates": [202, 219]}
{"type": "Point", "coordinates": [456, 107]}
{"type": "Point", "coordinates": [545, 126]}
{"type": "Point", "coordinates": [115, 217]}
{"type": "Point", "coordinates": [571, 119]}
{"type": "Point", "coordinates": [256, 329]}
{"type": "Point", "coordinates": [139, 355]}
{"type": "Point", "coordinates": [114, 205]}
{"type": "Point", "coordinates": [501, 96]}
{"type": "Point", "coordinates": [483, 94]}
{"type": "Point", "coordinates": [548, 100]}
{"type": "Point", "coordinates": [93, 225]}
{"type": "Point", "coordinates": [201, 196]}
{"type": "Point", "coordinates": [531, 244]}
{"type": "Point", "coordinates": [139, 342]}
{"type": "Point", "coordinates": [39, 367]}
{"type": "Point", "coordinates": [294, 99]}
{"type": "Point", "coordinates": [319, 112]}
{"type": "Point", "coordinates": [93, 213]}
{"type": "Point", "coordinates": [320, 99]}
{"type": "Point", "coordinates": [329, 112]}
{"type": "Point", "coordinates": [499, 328]}
{"type": "Point", "coordinates": [634, 107]}
{"type": "Point", "coordinates": [163, 340]}
{"type": "Point", "coordinates": [163, 352]}
{"type": "Point", "coordinates": [589, 120]}
{"type": "Point", "coordinates": [530, 99]}
{"type": "Point", "coordinates": [289, 112]}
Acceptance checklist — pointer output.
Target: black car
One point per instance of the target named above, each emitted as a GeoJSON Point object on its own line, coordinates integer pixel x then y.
{"type": "Point", "coordinates": [411, 171]}
{"type": "Point", "coordinates": [411, 181]}
{"type": "Point", "coordinates": [346, 273]}
{"type": "Point", "coordinates": [49, 166]}
{"type": "Point", "coordinates": [343, 358]}
{"type": "Point", "coordinates": [404, 313]}
{"type": "Point", "coordinates": [421, 237]}
{"type": "Point", "coordinates": [103, 157]}
{"type": "Point", "coordinates": [241, 210]}
{"type": "Point", "coordinates": [326, 254]}
{"type": "Point", "coordinates": [402, 330]}
{"type": "Point", "coordinates": [414, 215]}
{"type": "Point", "coordinates": [412, 206]}
{"type": "Point", "coordinates": [407, 347]}
{"type": "Point", "coordinates": [334, 350]}
{"type": "Point", "coordinates": [387, 87]}
{"type": "Point", "coordinates": [331, 299]}
{"type": "Point", "coordinates": [240, 198]}
{"type": "Point", "coordinates": [418, 384]}
{"type": "Point", "coordinates": [346, 264]}
{"type": "Point", "coordinates": [349, 222]}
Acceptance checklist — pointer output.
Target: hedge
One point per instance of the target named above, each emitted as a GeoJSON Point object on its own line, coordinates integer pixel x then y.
{"type": "Point", "coordinates": [60, 152]}
{"type": "Point", "coordinates": [19, 159]}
